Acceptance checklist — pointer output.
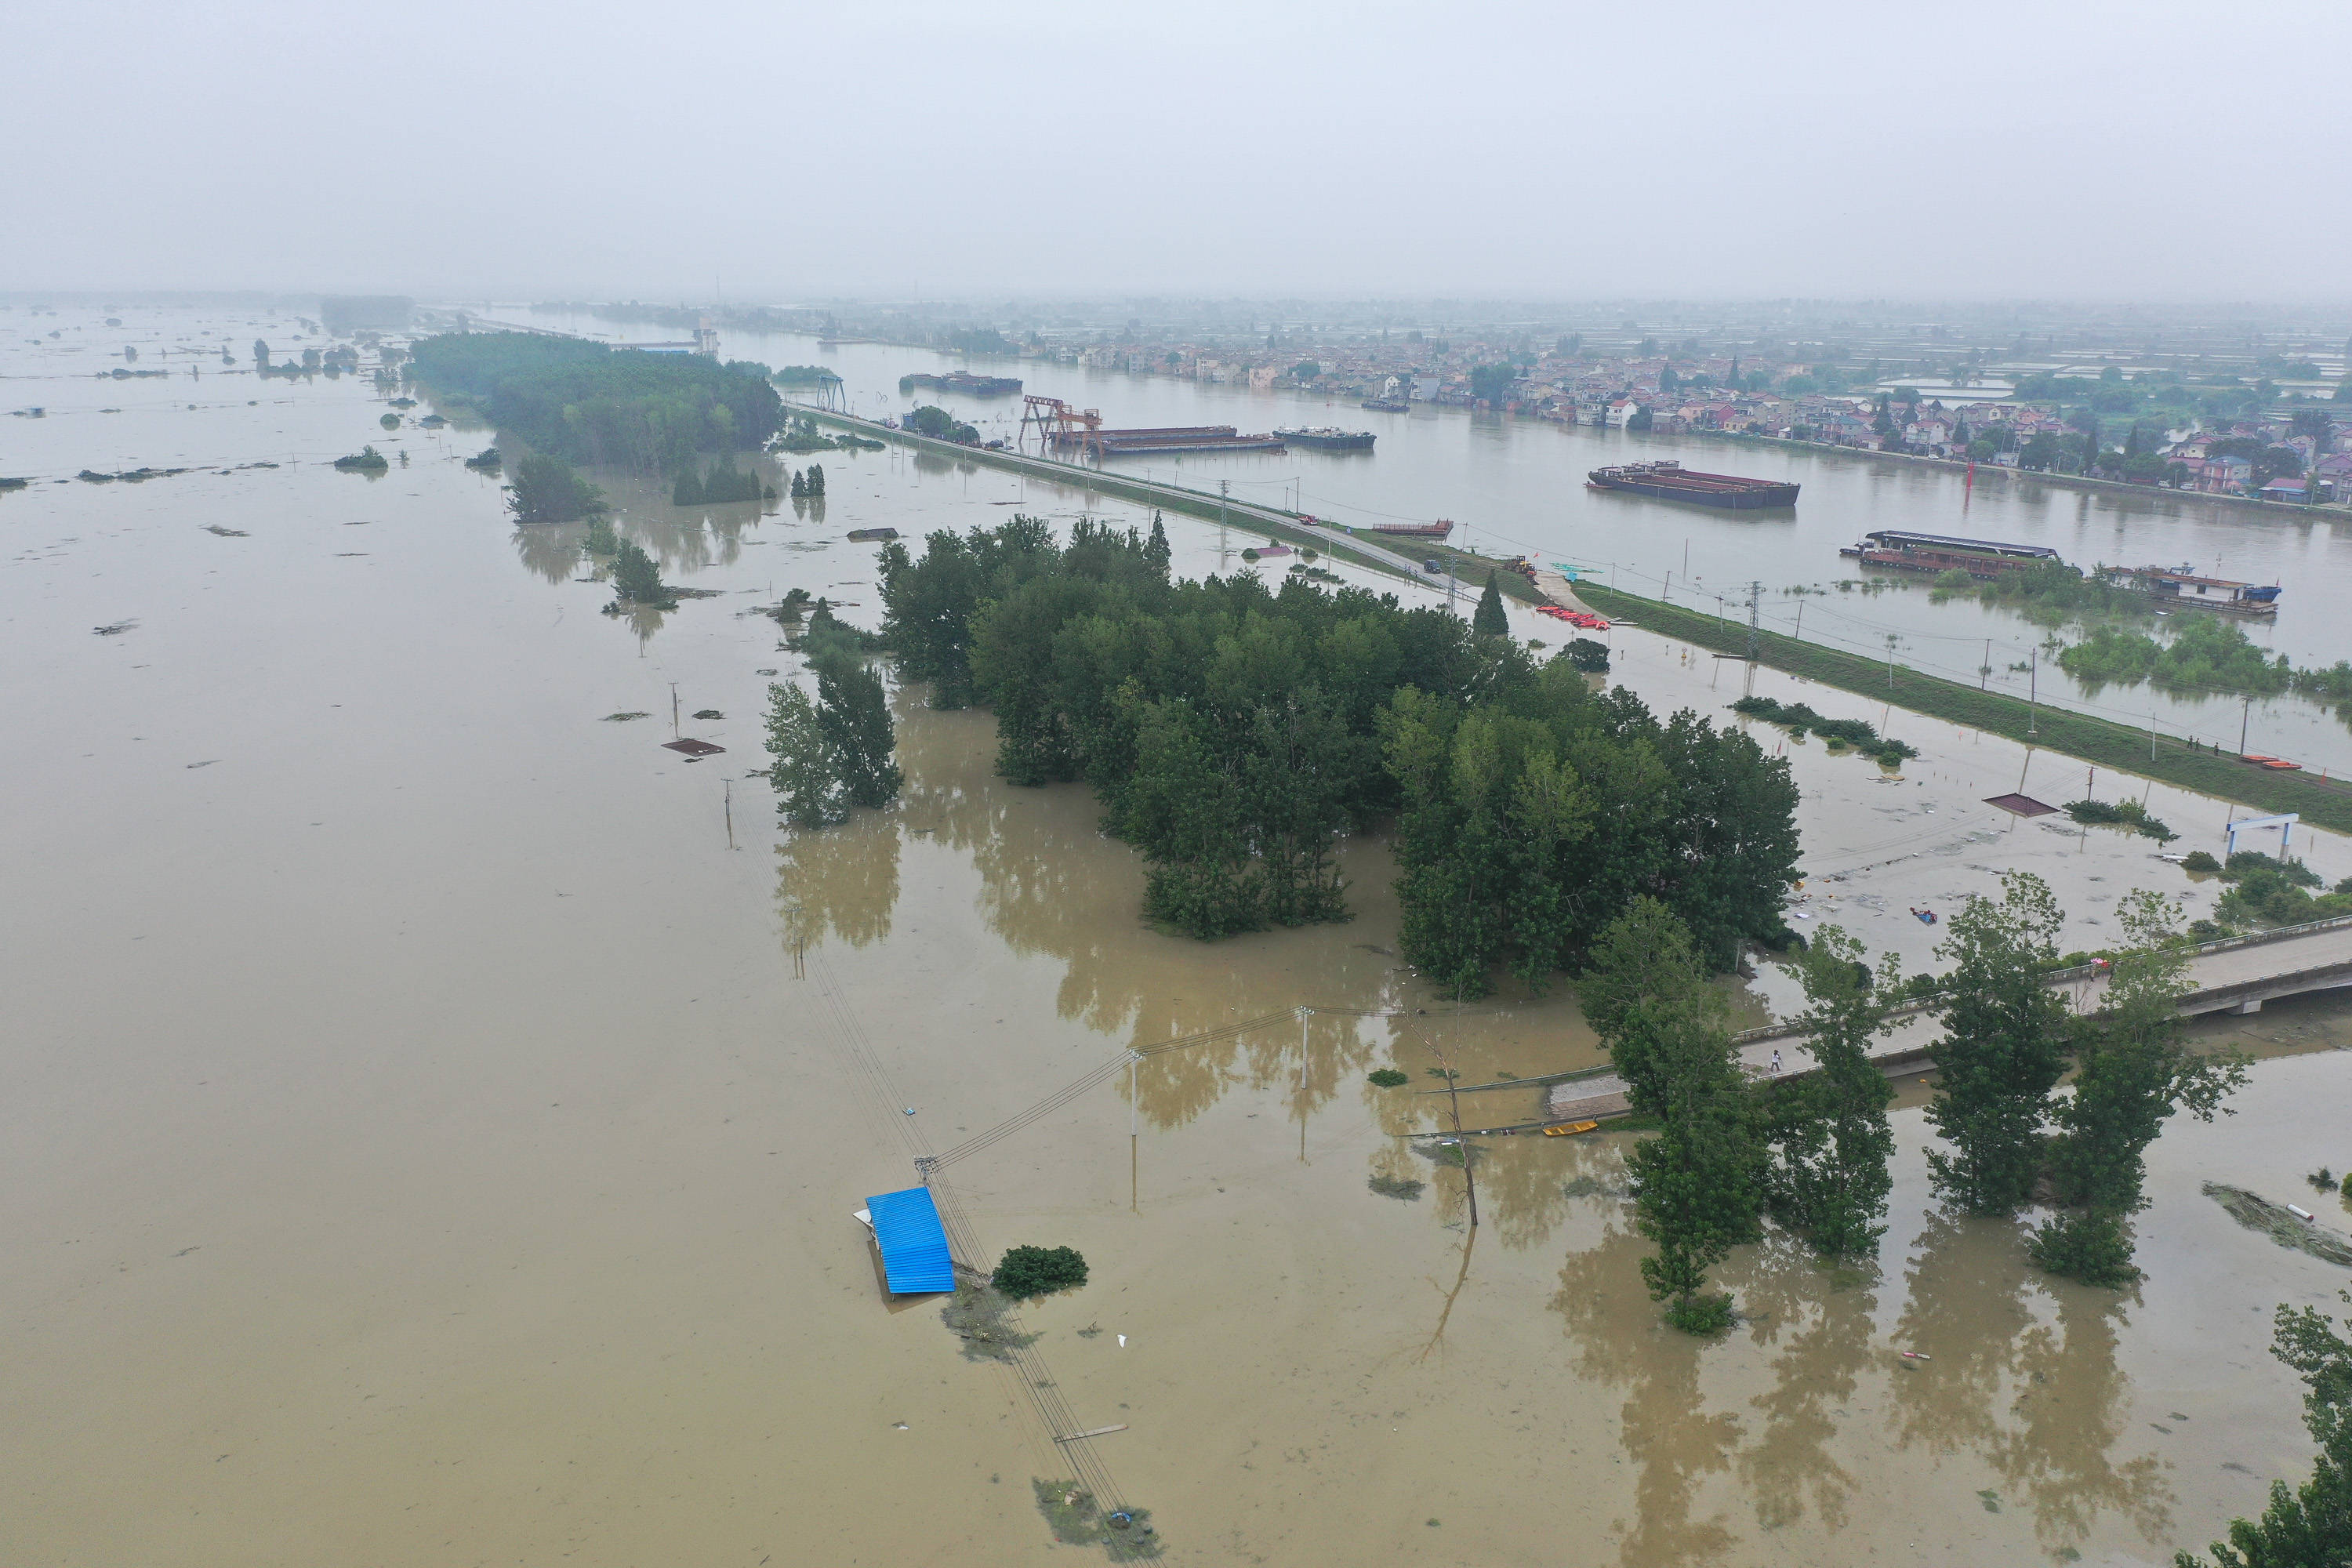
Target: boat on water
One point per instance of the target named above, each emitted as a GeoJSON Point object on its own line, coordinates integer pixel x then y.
{"type": "Point", "coordinates": [872, 535]}
{"type": "Point", "coordinates": [2185, 589]}
{"type": "Point", "coordinates": [1167, 439]}
{"type": "Point", "coordinates": [1386, 404]}
{"type": "Point", "coordinates": [1437, 530]}
{"type": "Point", "coordinates": [1329, 440]}
{"type": "Point", "coordinates": [1896, 550]}
{"type": "Point", "coordinates": [1669, 480]}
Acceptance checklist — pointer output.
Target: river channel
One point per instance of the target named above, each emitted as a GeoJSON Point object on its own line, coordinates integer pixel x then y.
{"type": "Point", "coordinates": [434, 1109]}
{"type": "Point", "coordinates": [1517, 484]}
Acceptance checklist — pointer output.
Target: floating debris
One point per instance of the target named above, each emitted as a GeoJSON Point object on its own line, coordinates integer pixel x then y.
{"type": "Point", "coordinates": [115, 630]}
{"type": "Point", "coordinates": [624, 718]}
{"type": "Point", "coordinates": [982, 1319]}
{"type": "Point", "coordinates": [709, 714]}
{"type": "Point", "coordinates": [2258, 1212]}
{"type": "Point", "coordinates": [226, 532]}
{"type": "Point", "coordinates": [1077, 1519]}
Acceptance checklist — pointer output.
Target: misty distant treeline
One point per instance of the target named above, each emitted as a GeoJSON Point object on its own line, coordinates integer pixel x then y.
{"type": "Point", "coordinates": [1234, 734]}
{"type": "Point", "coordinates": [588, 403]}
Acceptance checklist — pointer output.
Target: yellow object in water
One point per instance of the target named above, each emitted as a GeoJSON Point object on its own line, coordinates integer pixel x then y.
{"type": "Point", "coordinates": [1569, 1129]}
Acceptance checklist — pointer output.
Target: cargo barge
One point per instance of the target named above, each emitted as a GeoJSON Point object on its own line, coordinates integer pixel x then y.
{"type": "Point", "coordinates": [1329, 440]}
{"type": "Point", "coordinates": [964, 383]}
{"type": "Point", "coordinates": [1166, 439]}
{"type": "Point", "coordinates": [1896, 550]}
{"type": "Point", "coordinates": [1437, 530]}
{"type": "Point", "coordinates": [1669, 480]}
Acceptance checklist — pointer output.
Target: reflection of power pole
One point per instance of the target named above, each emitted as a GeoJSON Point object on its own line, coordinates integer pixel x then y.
{"type": "Point", "coordinates": [1303, 1015]}
{"type": "Point", "coordinates": [1469, 1177]}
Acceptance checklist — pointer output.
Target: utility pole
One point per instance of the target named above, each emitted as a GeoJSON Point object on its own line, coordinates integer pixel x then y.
{"type": "Point", "coordinates": [1984, 670]}
{"type": "Point", "coordinates": [2032, 688]}
{"type": "Point", "coordinates": [1754, 592]}
{"type": "Point", "coordinates": [2245, 717]}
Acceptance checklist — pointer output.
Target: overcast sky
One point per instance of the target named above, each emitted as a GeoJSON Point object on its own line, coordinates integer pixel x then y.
{"type": "Point", "coordinates": [2155, 150]}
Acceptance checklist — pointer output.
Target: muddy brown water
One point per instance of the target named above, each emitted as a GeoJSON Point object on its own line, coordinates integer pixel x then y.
{"type": "Point", "coordinates": [421, 1144]}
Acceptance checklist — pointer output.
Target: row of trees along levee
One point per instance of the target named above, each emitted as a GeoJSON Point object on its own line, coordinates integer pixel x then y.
{"type": "Point", "coordinates": [1810, 1153]}
{"type": "Point", "coordinates": [1233, 732]}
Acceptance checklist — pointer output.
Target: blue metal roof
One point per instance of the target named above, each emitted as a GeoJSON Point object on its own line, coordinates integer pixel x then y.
{"type": "Point", "coordinates": [914, 1245]}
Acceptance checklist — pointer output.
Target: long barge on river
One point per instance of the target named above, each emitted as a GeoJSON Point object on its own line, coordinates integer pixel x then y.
{"type": "Point", "coordinates": [1669, 480]}
{"type": "Point", "coordinates": [1167, 439]}
{"type": "Point", "coordinates": [1896, 550]}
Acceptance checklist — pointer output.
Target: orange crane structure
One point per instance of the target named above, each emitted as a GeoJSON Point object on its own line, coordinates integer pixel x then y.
{"type": "Point", "coordinates": [1060, 426]}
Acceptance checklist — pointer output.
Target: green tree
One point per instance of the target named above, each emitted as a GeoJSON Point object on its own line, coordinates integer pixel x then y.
{"type": "Point", "coordinates": [1827, 1130]}
{"type": "Point", "coordinates": [1155, 550]}
{"type": "Point", "coordinates": [545, 489]}
{"type": "Point", "coordinates": [2004, 1046]}
{"type": "Point", "coordinates": [809, 792]}
{"type": "Point", "coordinates": [1493, 382]}
{"type": "Point", "coordinates": [2134, 1069]}
{"type": "Point", "coordinates": [2310, 1526]}
{"type": "Point", "coordinates": [636, 579]}
{"type": "Point", "coordinates": [815, 482]}
{"type": "Point", "coordinates": [1698, 1182]}
{"type": "Point", "coordinates": [1489, 619]}
{"type": "Point", "coordinates": [853, 716]}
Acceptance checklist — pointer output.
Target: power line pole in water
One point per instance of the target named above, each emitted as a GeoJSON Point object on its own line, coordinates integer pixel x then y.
{"type": "Point", "coordinates": [1755, 609]}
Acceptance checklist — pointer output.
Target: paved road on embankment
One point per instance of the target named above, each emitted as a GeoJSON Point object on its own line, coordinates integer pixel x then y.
{"type": "Point", "coordinates": [1206, 504]}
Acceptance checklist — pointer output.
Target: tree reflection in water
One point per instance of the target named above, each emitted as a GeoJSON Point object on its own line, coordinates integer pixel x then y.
{"type": "Point", "coordinates": [1620, 1342]}
{"type": "Point", "coordinates": [1819, 1323]}
{"type": "Point", "coordinates": [838, 881]}
{"type": "Point", "coordinates": [550, 549]}
{"type": "Point", "coordinates": [2040, 1401]}
{"type": "Point", "coordinates": [1053, 885]}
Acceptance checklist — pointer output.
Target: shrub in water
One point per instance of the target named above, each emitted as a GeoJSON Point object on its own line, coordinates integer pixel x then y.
{"type": "Point", "coordinates": [1703, 1314]}
{"type": "Point", "coordinates": [1388, 1077]}
{"type": "Point", "coordinates": [1025, 1272]}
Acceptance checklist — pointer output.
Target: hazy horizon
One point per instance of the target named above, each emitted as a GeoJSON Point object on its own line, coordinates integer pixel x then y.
{"type": "Point", "coordinates": [1315, 152]}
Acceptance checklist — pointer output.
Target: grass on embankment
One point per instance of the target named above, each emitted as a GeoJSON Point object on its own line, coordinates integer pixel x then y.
{"type": "Point", "coordinates": [2099, 740]}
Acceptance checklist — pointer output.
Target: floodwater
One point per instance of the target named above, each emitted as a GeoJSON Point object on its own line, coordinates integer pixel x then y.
{"type": "Point", "coordinates": [430, 1138]}
{"type": "Point", "coordinates": [1519, 485]}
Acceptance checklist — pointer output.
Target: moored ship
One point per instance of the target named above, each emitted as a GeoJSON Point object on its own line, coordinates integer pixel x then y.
{"type": "Point", "coordinates": [1328, 439]}
{"type": "Point", "coordinates": [1437, 530]}
{"type": "Point", "coordinates": [1935, 553]}
{"type": "Point", "coordinates": [1669, 480]}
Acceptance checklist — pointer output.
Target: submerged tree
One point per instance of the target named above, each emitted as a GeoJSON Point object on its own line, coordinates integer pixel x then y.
{"type": "Point", "coordinates": [1828, 1132]}
{"type": "Point", "coordinates": [2310, 1526]}
{"type": "Point", "coordinates": [1698, 1182]}
{"type": "Point", "coordinates": [546, 490]}
{"type": "Point", "coordinates": [809, 792]}
{"type": "Point", "coordinates": [637, 580]}
{"type": "Point", "coordinates": [2134, 1070]}
{"type": "Point", "coordinates": [1489, 619]}
{"type": "Point", "coordinates": [853, 715]}
{"type": "Point", "coordinates": [1155, 548]}
{"type": "Point", "coordinates": [2004, 1048]}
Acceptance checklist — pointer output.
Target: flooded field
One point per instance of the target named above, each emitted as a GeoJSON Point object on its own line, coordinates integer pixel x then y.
{"type": "Point", "coordinates": [436, 1109]}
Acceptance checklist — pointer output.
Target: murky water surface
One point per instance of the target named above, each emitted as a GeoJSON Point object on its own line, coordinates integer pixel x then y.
{"type": "Point", "coordinates": [428, 1138]}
